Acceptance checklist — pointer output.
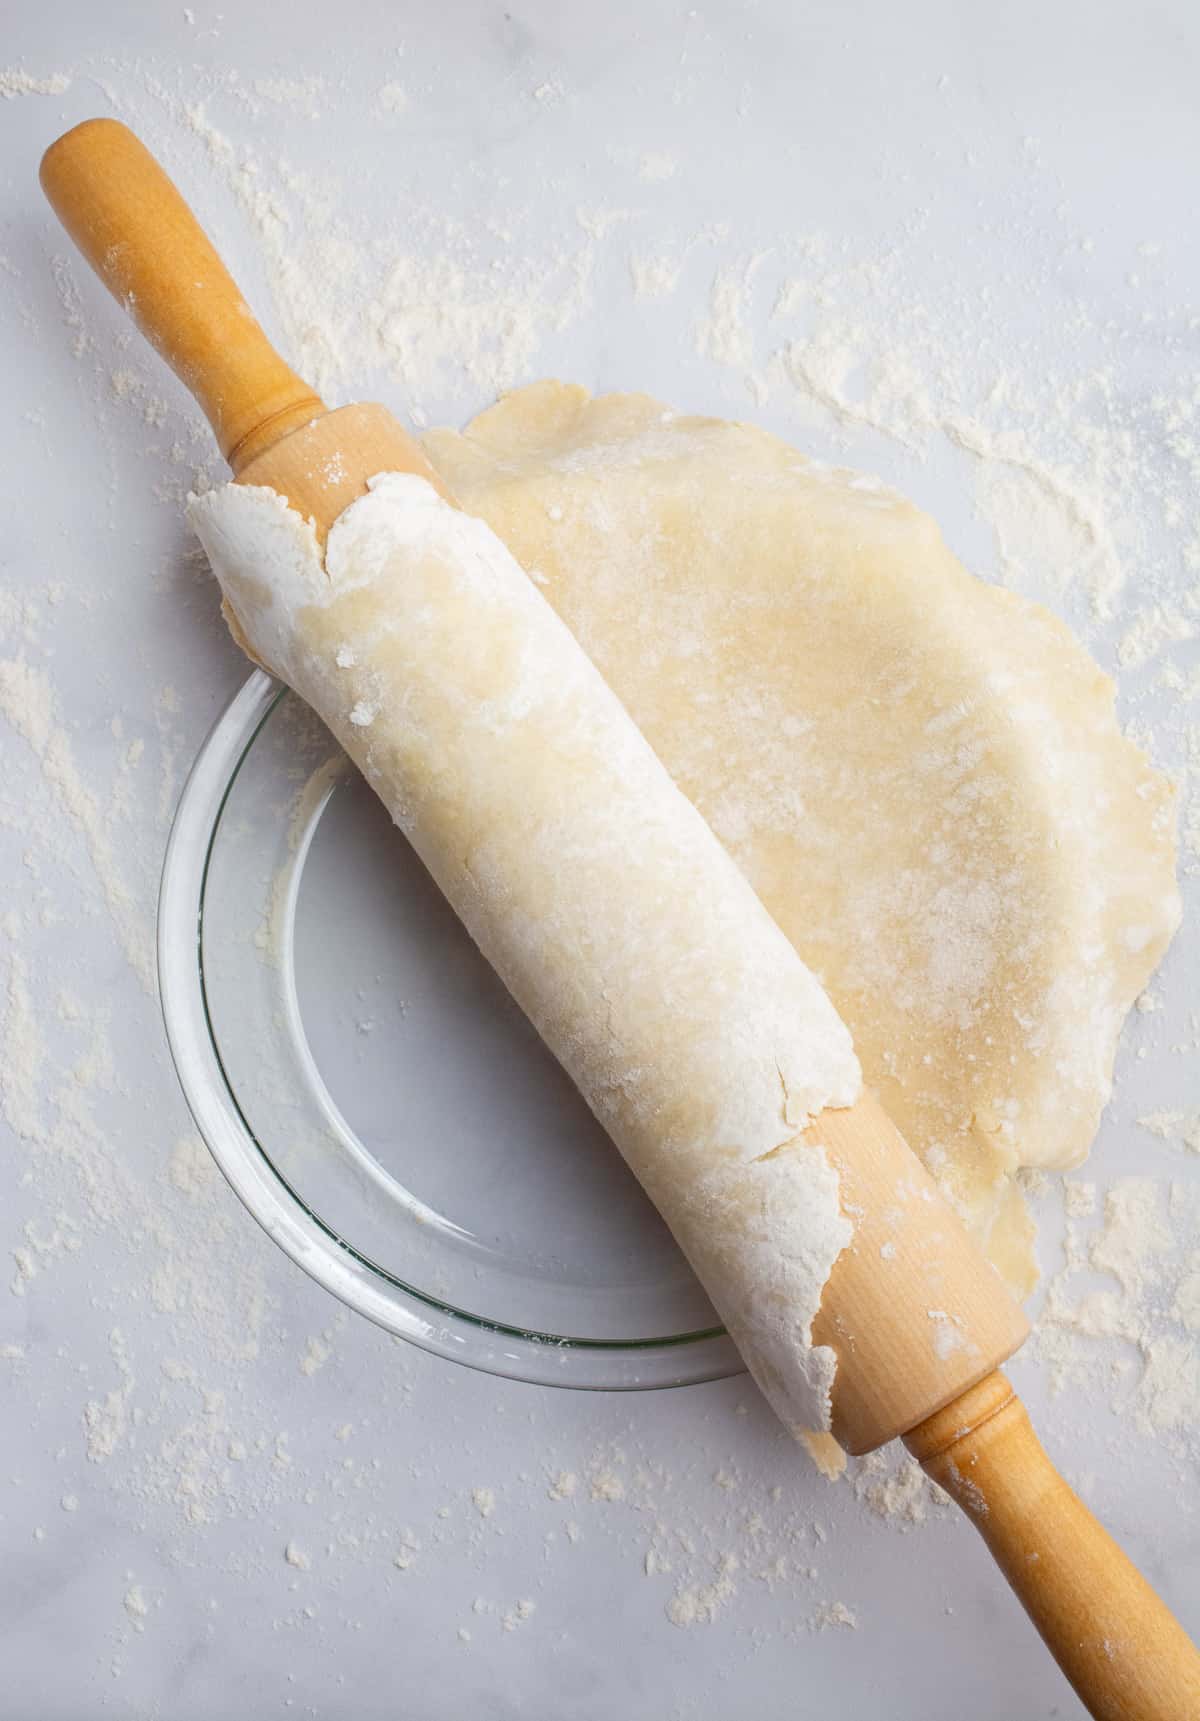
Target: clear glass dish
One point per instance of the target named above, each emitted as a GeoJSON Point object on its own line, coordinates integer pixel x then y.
{"type": "Point", "coordinates": [375, 1097]}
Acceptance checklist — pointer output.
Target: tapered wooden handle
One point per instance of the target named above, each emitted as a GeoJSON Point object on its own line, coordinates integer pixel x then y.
{"type": "Point", "coordinates": [147, 247]}
{"type": "Point", "coordinates": [1123, 1651]}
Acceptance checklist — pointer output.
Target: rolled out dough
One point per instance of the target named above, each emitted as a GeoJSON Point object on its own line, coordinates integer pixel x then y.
{"type": "Point", "coordinates": [603, 900]}
{"type": "Point", "coordinates": [920, 774]}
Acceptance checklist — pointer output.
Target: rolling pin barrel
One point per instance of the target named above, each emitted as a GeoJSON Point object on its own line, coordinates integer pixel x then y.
{"type": "Point", "coordinates": [914, 1311]}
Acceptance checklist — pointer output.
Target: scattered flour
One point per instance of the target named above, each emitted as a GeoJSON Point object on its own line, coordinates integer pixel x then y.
{"type": "Point", "coordinates": [405, 1556]}
{"type": "Point", "coordinates": [895, 1488]}
{"type": "Point", "coordinates": [191, 1168]}
{"type": "Point", "coordinates": [303, 96]}
{"type": "Point", "coordinates": [700, 1604]}
{"type": "Point", "coordinates": [655, 276]}
{"type": "Point", "coordinates": [607, 1485]}
{"type": "Point", "coordinates": [18, 82]}
{"type": "Point", "coordinates": [28, 703]}
{"type": "Point", "coordinates": [1079, 1197]}
{"type": "Point", "coordinates": [1174, 1126]}
{"type": "Point", "coordinates": [316, 1355]}
{"type": "Point", "coordinates": [518, 1614]}
{"type": "Point", "coordinates": [834, 1613]}
{"type": "Point", "coordinates": [106, 1420]}
{"type": "Point", "coordinates": [725, 335]}
{"type": "Point", "coordinates": [1129, 1339]}
{"type": "Point", "coordinates": [137, 1608]}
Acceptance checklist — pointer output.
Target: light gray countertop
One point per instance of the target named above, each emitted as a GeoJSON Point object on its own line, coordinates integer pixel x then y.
{"type": "Point", "coordinates": [221, 1493]}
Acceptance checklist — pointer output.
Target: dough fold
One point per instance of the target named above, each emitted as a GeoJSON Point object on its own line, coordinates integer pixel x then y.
{"type": "Point", "coordinates": [619, 923]}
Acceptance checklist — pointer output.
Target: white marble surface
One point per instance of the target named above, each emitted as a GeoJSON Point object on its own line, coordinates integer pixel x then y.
{"type": "Point", "coordinates": [181, 1404]}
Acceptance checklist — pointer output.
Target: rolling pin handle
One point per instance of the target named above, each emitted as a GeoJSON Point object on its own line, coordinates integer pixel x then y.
{"type": "Point", "coordinates": [143, 241]}
{"type": "Point", "coordinates": [1123, 1651]}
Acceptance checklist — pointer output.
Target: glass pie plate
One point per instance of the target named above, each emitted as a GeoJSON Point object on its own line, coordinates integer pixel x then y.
{"type": "Point", "coordinates": [376, 1098]}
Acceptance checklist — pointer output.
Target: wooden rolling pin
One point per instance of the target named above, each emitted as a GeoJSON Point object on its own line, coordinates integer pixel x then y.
{"type": "Point", "coordinates": [897, 1375]}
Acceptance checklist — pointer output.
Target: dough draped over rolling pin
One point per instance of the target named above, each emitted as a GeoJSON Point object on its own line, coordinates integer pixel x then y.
{"type": "Point", "coordinates": [597, 891]}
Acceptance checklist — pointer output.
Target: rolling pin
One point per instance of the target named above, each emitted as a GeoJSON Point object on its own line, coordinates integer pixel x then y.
{"type": "Point", "coordinates": [1126, 1656]}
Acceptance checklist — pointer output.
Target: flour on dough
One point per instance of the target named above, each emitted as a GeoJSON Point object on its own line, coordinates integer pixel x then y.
{"type": "Point", "coordinates": [921, 775]}
{"type": "Point", "coordinates": [602, 899]}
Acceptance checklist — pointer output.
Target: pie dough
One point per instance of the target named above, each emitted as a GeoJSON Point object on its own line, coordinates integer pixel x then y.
{"type": "Point", "coordinates": [921, 777]}
{"type": "Point", "coordinates": [920, 774]}
{"type": "Point", "coordinates": [600, 896]}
